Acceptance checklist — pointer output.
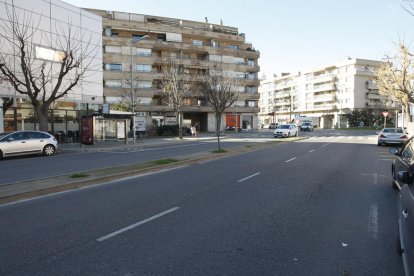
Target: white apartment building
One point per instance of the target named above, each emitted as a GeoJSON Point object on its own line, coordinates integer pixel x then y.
{"type": "Point", "coordinates": [326, 93]}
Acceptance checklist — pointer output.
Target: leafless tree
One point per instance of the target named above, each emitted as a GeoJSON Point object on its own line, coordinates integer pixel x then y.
{"type": "Point", "coordinates": [125, 102]}
{"type": "Point", "coordinates": [219, 88]}
{"type": "Point", "coordinates": [46, 73]}
{"type": "Point", "coordinates": [176, 86]}
{"type": "Point", "coordinates": [395, 78]}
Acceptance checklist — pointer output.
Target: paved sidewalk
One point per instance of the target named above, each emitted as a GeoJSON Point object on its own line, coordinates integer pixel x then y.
{"type": "Point", "coordinates": [144, 143]}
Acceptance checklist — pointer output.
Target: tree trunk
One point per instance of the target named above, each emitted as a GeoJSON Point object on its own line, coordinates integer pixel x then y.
{"type": "Point", "coordinates": [180, 124]}
{"type": "Point", "coordinates": [406, 107]}
{"type": "Point", "coordinates": [218, 123]}
{"type": "Point", "coordinates": [42, 115]}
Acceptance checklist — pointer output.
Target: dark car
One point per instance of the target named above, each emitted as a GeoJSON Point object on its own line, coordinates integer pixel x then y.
{"type": "Point", "coordinates": [403, 179]}
{"type": "Point", "coordinates": [27, 142]}
{"type": "Point", "coordinates": [306, 127]}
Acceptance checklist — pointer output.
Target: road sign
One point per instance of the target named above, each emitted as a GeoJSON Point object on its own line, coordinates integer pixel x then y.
{"type": "Point", "coordinates": [384, 113]}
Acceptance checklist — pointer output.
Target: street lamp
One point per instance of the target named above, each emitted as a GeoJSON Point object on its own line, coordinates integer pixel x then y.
{"type": "Point", "coordinates": [134, 40]}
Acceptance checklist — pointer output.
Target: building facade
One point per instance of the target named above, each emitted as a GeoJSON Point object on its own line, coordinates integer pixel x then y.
{"type": "Point", "coordinates": [51, 23]}
{"type": "Point", "coordinates": [136, 46]}
{"type": "Point", "coordinates": [326, 93]}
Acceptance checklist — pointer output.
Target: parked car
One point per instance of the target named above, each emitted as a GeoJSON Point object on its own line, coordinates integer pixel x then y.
{"type": "Point", "coordinates": [233, 128]}
{"type": "Point", "coordinates": [285, 130]}
{"type": "Point", "coordinates": [273, 125]}
{"type": "Point", "coordinates": [306, 127]}
{"type": "Point", "coordinates": [392, 136]}
{"type": "Point", "coordinates": [403, 176]}
{"type": "Point", "coordinates": [27, 142]}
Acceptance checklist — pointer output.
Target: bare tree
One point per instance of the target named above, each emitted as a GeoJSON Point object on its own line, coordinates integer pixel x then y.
{"type": "Point", "coordinates": [176, 86]}
{"type": "Point", "coordinates": [46, 73]}
{"type": "Point", "coordinates": [219, 88]}
{"type": "Point", "coordinates": [125, 102]}
{"type": "Point", "coordinates": [395, 78]}
{"type": "Point", "coordinates": [7, 103]}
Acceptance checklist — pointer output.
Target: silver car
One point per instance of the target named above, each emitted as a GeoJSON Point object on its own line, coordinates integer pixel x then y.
{"type": "Point", "coordinates": [392, 136]}
{"type": "Point", "coordinates": [27, 142]}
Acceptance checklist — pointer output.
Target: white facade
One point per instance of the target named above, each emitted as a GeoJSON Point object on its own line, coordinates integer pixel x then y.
{"type": "Point", "coordinates": [327, 93]}
{"type": "Point", "coordinates": [54, 23]}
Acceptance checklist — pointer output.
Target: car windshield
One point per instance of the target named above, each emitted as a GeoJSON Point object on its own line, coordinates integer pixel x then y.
{"type": "Point", "coordinates": [306, 124]}
{"type": "Point", "coordinates": [283, 127]}
{"type": "Point", "coordinates": [392, 130]}
{"type": "Point", "coordinates": [3, 134]}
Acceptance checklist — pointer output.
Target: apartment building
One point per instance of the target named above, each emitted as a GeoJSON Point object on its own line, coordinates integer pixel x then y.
{"type": "Point", "coordinates": [327, 93]}
{"type": "Point", "coordinates": [143, 43]}
{"type": "Point", "coordinates": [147, 42]}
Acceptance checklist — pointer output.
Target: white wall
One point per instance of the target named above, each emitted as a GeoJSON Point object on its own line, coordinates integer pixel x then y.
{"type": "Point", "coordinates": [53, 18]}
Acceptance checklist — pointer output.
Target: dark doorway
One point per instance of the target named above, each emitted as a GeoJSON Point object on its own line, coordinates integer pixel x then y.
{"type": "Point", "coordinates": [197, 117]}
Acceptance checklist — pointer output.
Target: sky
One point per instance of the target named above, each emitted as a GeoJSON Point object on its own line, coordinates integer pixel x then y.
{"type": "Point", "coordinates": [296, 35]}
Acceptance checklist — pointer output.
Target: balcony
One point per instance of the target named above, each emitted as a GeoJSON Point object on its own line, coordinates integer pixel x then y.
{"type": "Point", "coordinates": [324, 98]}
{"type": "Point", "coordinates": [374, 96]}
{"type": "Point", "coordinates": [324, 87]}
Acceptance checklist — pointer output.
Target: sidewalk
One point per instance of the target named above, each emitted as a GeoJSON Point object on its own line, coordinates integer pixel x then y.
{"type": "Point", "coordinates": [143, 143]}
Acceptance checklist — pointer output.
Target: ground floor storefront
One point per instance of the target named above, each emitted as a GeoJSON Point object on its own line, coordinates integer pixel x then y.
{"type": "Point", "coordinates": [65, 121]}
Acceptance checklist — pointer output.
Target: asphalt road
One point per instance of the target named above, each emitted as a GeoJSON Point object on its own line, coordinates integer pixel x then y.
{"type": "Point", "coordinates": [322, 206]}
{"type": "Point", "coordinates": [34, 167]}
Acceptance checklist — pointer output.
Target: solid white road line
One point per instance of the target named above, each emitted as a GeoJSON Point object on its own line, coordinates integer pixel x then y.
{"type": "Point", "coordinates": [113, 234]}
{"type": "Point", "coordinates": [243, 179]}
{"type": "Point", "coordinates": [291, 159]}
{"type": "Point", "coordinates": [373, 221]}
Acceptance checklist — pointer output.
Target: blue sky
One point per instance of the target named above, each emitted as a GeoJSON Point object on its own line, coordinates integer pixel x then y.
{"type": "Point", "coordinates": [293, 35]}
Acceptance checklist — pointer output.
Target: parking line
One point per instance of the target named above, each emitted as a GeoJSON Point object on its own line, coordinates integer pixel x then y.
{"type": "Point", "coordinates": [287, 161]}
{"type": "Point", "coordinates": [113, 234]}
{"type": "Point", "coordinates": [250, 176]}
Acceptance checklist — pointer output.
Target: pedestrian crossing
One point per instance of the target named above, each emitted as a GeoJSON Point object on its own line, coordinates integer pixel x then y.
{"type": "Point", "coordinates": [370, 139]}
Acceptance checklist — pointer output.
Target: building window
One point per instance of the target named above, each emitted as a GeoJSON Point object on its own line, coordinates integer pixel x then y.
{"type": "Point", "coordinates": [113, 66]}
{"type": "Point", "coordinates": [250, 62]}
{"type": "Point", "coordinates": [146, 68]}
{"type": "Point", "coordinates": [198, 43]}
{"type": "Point", "coordinates": [114, 34]}
{"type": "Point", "coordinates": [144, 84]}
{"type": "Point", "coordinates": [113, 83]}
{"type": "Point", "coordinates": [251, 103]}
{"type": "Point", "coordinates": [235, 47]}
{"type": "Point", "coordinates": [143, 52]}
{"type": "Point", "coordinates": [49, 54]}
{"type": "Point", "coordinates": [252, 89]}
{"type": "Point", "coordinates": [136, 36]}
{"type": "Point", "coordinates": [113, 49]}
{"type": "Point", "coordinates": [251, 76]}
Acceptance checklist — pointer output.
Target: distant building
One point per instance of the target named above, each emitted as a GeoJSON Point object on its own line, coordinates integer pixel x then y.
{"type": "Point", "coordinates": [194, 46]}
{"type": "Point", "coordinates": [327, 93]}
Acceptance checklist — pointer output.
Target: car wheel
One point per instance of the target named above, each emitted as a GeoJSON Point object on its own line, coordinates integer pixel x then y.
{"type": "Point", "coordinates": [49, 150]}
{"type": "Point", "coordinates": [1, 155]}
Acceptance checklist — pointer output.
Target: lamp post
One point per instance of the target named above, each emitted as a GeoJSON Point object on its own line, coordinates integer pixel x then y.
{"type": "Point", "coordinates": [134, 40]}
